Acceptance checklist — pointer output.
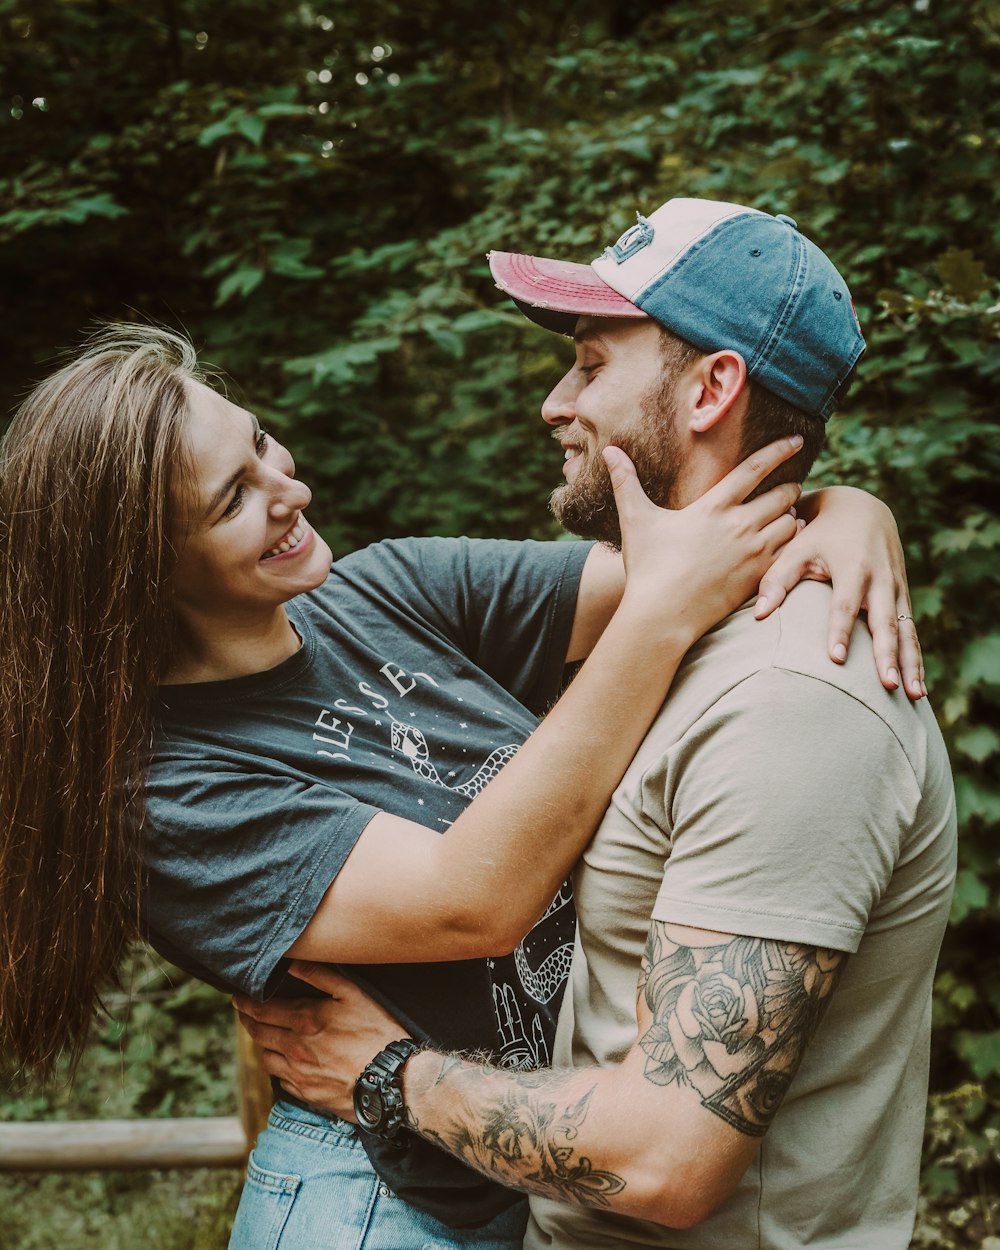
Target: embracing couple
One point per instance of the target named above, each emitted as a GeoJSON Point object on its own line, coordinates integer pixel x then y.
{"type": "Point", "coordinates": [288, 767]}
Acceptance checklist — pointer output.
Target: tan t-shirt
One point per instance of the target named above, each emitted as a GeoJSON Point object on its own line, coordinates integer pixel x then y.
{"type": "Point", "coordinates": [781, 796]}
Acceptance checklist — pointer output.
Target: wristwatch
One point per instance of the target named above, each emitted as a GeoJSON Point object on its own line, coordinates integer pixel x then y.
{"type": "Point", "coordinates": [378, 1091]}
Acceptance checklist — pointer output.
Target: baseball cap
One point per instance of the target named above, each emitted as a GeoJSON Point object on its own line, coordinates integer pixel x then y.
{"type": "Point", "coordinates": [719, 276]}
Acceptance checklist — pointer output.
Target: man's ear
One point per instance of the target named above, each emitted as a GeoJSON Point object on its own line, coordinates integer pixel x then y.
{"type": "Point", "coordinates": [718, 383]}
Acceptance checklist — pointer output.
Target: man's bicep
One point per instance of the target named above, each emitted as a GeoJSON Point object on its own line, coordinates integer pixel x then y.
{"type": "Point", "coordinates": [729, 1018]}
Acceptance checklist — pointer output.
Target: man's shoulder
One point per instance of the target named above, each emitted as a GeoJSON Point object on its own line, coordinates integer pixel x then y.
{"type": "Point", "coordinates": [745, 671]}
{"type": "Point", "coordinates": [793, 639]}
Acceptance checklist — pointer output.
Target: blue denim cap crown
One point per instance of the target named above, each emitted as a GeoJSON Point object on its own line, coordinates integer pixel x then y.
{"type": "Point", "coordinates": [719, 276]}
{"type": "Point", "coordinates": [755, 284]}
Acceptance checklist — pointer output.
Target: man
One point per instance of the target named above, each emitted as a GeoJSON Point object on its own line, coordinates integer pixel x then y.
{"type": "Point", "coordinates": [775, 870]}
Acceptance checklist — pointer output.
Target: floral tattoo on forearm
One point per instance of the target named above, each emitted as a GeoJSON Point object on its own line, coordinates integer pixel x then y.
{"type": "Point", "coordinates": [522, 1128]}
{"type": "Point", "coordinates": [732, 1021]}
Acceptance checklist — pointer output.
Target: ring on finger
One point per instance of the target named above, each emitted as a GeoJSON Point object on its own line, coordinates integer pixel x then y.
{"type": "Point", "coordinates": [903, 617]}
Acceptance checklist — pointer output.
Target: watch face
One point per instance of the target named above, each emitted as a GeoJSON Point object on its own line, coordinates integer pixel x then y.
{"type": "Point", "coordinates": [368, 1104]}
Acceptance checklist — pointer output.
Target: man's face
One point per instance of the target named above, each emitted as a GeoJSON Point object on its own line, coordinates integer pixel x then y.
{"type": "Point", "coordinates": [617, 392]}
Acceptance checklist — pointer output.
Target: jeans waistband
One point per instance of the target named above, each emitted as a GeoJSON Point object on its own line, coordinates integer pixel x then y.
{"type": "Point", "coordinates": [293, 1118]}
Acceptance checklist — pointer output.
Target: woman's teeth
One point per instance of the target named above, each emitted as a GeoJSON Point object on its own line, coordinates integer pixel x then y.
{"type": "Point", "coordinates": [290, 540]}
{"type": "Point", "coordinates": [570, 453]}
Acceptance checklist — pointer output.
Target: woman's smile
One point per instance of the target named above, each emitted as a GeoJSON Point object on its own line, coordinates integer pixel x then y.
{"type": "Point", "coordinates": [294, 542]}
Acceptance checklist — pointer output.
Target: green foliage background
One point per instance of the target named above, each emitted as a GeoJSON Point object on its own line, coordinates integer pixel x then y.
{"type": "Point", "coordinates": [311, 191]}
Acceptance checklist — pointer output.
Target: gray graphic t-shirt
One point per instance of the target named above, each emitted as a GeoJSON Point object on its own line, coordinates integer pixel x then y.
{"type": "Point", "coordinates": [424, 664]}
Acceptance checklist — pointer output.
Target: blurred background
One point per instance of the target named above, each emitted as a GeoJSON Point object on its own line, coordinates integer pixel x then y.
{"type": "Point", "coordinates": [310, 191]}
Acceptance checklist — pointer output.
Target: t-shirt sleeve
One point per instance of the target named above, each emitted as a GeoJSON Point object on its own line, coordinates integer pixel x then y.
{"type": "Point", "coordinates": [507, 605]}
{"type": "Point", "coordinates": [786, 805]}
{"type": "Point", "coordinates": [237, 865]}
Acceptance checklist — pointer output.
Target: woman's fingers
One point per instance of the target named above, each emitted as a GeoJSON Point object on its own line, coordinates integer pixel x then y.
{"type": "Point", "coordinates": [773, 503]}
{"type": "Point", "coordinates": [844, 608]}
{"type": "Point", "coordinates": [748, 475]}
{"type": "Point", "coordinates": [898, 657]}
{"type": "Point", "coordinates": [896, 646]}
{"type": "Point", "coordinates": [778, 533]}
{"type": "Point", "coordinates": [911, 657]}
{"type": "Point", "coordinates": [630, 498]}
{"type": "Point", "coordinates": [795, 563]}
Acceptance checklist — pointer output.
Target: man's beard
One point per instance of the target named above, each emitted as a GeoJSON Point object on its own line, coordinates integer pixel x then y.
{"type": "Point", "coordinates": [586, 506]}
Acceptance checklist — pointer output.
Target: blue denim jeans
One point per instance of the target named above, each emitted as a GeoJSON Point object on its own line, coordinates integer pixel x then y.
{"type": "Point", "coordinates": [310, 1186]}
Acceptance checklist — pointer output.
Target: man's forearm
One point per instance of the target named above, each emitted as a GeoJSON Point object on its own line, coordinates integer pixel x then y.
{"type": "Point", "coordinates": [575, 1136]}
{"type": "Point", "coordinates": [528, 1130]}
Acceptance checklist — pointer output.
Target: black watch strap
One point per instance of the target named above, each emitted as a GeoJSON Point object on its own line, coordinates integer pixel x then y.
{"type": "Point", "coordinates": [378, 1091]}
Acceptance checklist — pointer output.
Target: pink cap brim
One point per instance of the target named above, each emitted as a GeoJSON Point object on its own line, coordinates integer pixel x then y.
{"type": "Point", "coordinates": [558, 285]}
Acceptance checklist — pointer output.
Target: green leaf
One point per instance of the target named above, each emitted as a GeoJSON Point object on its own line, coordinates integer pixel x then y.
{"type": "Point", "coordinates": [980, 661]}
{"type": "Point", "coordinates": [981, 1051]}
{"type": "Point", "coordinates": [283, 110]}
{"type": "Point", "coordinates": [288, 258]}
{"type": "Point", "coordinates": [252, 128]}
{"type": "Point", "coordinates": [340, 364]}
{"type": "Point", "coordinates": [218, 130]}
{"type": "Point", "coordinates": [927, 601]}
{"type": "Point", "coordinates": [102, 205]}
{"type": "Point", "coordinates": [941, 1179]}
{"type": "Point", "coordinates": [971, 893]}
{"type": "Point", "coordinates": [976, 798]}
{"type": "Point", "coordinates": [978, 742]}
{"type": "Point", "coordinates": [250, 125]}
{"type": "Point", "coordinates": [240, 282]}
{"type": "Point", "coordinates": [447, 340]}
{"type": "Point", "coordinates": [962, 274]}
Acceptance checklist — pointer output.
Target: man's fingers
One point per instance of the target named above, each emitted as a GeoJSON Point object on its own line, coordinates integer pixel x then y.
{"type": "Point", "coordinates": [279, 1012]}
{"type": "Point", "coordinates": [322, 976]}
{"type": "Point", "coordinates": [267, 1036]}
{"type": "Point", "coordinates": [274, 1063]}
{"type": "Point", "coordinates": [294, 1090]}
{"type": "Point", "coordinates": [747, 476]}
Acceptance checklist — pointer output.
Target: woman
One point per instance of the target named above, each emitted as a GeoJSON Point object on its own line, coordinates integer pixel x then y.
{"type": "Point", "coordinates": [279, 760]}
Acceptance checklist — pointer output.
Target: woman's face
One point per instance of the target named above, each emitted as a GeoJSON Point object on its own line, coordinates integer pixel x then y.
{"type": "Point", "coordinates": [245, 547]}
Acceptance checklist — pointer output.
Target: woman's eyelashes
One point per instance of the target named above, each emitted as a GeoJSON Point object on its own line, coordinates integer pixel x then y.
{"type": "Point", "coordinates": [260, 446]}
{"type": "Point", "coordinates": [236, 502]}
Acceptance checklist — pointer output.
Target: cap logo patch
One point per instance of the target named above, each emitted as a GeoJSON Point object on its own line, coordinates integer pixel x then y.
{"type": "Point", "coordinates": [633, 240]}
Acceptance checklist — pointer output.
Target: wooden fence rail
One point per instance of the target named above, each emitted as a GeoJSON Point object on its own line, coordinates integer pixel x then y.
{"type": "Point", "coordinates": [111, 1145]}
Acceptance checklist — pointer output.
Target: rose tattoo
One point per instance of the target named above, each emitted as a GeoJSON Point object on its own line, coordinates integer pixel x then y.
{"type": "Point", "coordinates": [731, 1021]}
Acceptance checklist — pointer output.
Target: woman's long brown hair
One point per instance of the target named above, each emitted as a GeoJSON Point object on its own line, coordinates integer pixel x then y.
{"type": "Point", "coordinates": [87, 471]}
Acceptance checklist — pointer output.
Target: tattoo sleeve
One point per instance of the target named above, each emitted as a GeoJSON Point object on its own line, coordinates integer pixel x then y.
{"type": "Point", "coordinates": [731, 1021]}
{"type": "Point", "coordinates": [521, 1127]}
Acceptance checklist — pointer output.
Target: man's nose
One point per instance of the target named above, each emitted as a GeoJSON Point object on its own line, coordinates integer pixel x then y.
{"type": "Point", "coordinates": [559, 407]}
